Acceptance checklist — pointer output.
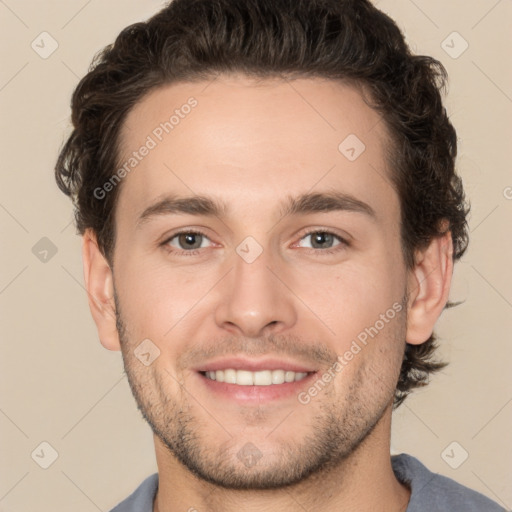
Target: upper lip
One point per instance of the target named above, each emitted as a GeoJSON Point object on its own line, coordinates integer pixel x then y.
{"type": "Point", "coordinates": [254, 365]}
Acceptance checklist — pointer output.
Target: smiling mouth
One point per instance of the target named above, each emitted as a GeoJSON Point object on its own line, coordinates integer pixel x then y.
{"type": "Point", "coordinates": [259, 378]}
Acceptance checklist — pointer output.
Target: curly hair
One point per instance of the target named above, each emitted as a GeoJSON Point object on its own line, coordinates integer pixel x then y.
{"type": "Point", "coordinates": [349, 40]}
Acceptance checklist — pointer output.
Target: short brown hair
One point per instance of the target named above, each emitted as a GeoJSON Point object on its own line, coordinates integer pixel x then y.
{"type": "Point", "coordinates": [337, 39]}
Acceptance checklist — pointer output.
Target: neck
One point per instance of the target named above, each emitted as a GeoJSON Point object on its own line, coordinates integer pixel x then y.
{"type": "Point", "coordinates": [362, 482]}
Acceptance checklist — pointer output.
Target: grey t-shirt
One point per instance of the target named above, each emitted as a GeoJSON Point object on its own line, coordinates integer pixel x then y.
{"type": "Point", "coordinates": [430, 492]}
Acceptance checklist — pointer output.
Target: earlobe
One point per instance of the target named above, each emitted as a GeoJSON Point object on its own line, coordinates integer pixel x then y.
{"type": "Point", "coordinates": [429, 287]}
{"type": "Point", "coordinates": [100, 291]}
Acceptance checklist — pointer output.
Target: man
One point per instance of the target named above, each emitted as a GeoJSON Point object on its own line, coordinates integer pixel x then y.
{"type": "Point", "coordinates": [270, 217]}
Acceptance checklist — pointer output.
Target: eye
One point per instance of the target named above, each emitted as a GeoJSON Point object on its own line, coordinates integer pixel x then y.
{"type": "Point", "coordinates": [326, 240]}
{"type": "Point", "coordinates": [186, 242]}
{"type": "Point", "coordinates": [189, 242]}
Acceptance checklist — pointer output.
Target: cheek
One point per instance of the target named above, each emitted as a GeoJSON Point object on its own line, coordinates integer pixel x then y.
{"type": "Point", "coordinates": [352, 297]}
{"type": "Point", "coordinates": [157, 300]}
{"type": "Point", "coordinates": [161, 300]}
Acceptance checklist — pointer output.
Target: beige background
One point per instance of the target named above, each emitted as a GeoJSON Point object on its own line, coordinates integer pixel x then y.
{"type": "Point", "coordinates": [60, 386]}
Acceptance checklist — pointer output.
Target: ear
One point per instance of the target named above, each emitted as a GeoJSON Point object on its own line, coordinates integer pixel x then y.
{"type": "Point", "coordinates": [429, 286]}
{"type": "Point", "coordinates": [100, 291]}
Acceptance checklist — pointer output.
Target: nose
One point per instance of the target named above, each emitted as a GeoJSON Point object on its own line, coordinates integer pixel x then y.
{"type": "Point", "coordinates": [254, 299]}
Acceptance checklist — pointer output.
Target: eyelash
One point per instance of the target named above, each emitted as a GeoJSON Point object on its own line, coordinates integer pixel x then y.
{"type": "Point", "coordinates": [343, 242]}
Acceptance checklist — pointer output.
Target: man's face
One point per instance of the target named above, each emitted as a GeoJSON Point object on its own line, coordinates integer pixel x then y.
{"type": "Point", "coordinates": [263, 295]}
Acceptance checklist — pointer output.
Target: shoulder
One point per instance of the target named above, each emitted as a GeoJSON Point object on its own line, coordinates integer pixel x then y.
{"type": "Point", "coordinates": [141, 500]}
{"type": "Point", "coordinates": [437, 493]}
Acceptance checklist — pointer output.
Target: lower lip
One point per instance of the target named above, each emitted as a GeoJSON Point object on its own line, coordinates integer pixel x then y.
{"type": "Point", "coordinates": [256, 394]}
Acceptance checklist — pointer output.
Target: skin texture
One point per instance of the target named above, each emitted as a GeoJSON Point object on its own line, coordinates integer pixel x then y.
{"type": "Point", "coordinates": [252, 145]}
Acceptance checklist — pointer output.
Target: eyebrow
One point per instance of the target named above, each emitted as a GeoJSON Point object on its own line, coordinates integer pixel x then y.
{"type": "Point", "coordinates": [201, 205]}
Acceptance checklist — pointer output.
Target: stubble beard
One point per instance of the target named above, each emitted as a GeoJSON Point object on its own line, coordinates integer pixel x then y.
{"type": "Point", "coordinates": [338, 429]}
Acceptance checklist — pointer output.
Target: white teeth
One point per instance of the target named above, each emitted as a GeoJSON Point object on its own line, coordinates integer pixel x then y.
{"type": "Point", "coordinates": [261, 378]}
{"type": "Point", "coordinates": [230, 376]}
{"type": "Point", "coordinates": [244, 378]}
{"type": "Point", "coordinates": [277, 376]}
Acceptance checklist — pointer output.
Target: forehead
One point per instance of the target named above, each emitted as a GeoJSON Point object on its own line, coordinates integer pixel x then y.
{"type": "Point", "coordinates": [253, 142]}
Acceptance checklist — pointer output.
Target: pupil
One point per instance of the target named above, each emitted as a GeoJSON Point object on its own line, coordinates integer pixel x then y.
{"type": "Point", "coordinates": [321, 238]}
{"type": "Point", "coordinates": [187, 240]}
